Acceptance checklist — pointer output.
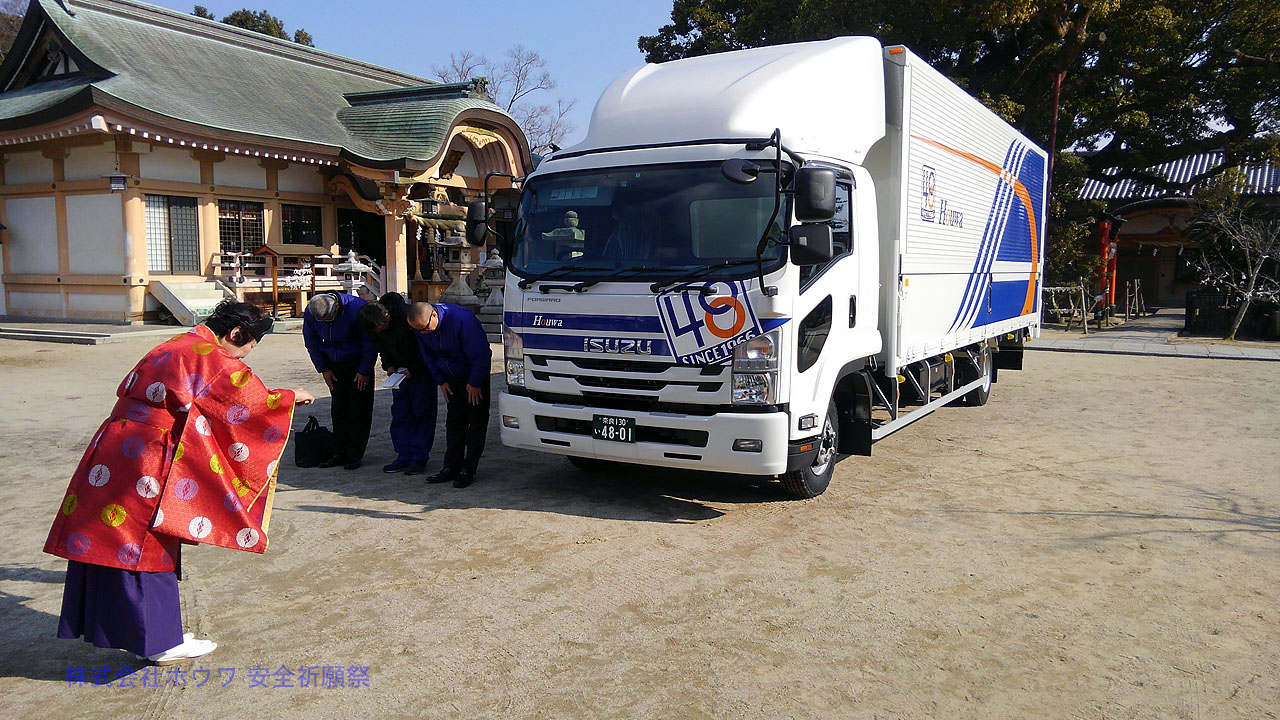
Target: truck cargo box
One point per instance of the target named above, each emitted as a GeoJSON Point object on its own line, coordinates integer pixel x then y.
{"type": "Point", "coordinates": [961, 198]}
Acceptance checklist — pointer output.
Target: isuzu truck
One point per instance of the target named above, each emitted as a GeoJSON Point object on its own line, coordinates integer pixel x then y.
{"type": "Point", "coordinates": [761, 261]}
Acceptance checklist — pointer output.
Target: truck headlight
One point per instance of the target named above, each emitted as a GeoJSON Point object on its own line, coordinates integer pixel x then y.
{"type": "Point", "coordinates": [755, 370]}
{"type": "Point", "coordinates": [758, 353]}
{"type": "Point", "coordinates": [754, 388]}
{"type": "Point", "coordinates": [513, 354]}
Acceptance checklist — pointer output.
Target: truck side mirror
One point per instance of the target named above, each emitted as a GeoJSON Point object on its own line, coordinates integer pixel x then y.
{"type": "Point", "coordinates": [506, 208]}
{"type": "Point", "coordinates": [815, 193]}
{"type": "Point", "coordinates": [811, 244]}
{"type": "Point", "coordinates": [477, 225]}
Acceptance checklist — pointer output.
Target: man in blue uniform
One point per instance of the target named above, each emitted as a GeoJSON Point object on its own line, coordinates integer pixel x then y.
{"type": "Point", "coordinates": [343, 355]}
{"type": "Point", "coordinates": [413, 401]}
{"type": "Point", "coordinates": [457, 354]}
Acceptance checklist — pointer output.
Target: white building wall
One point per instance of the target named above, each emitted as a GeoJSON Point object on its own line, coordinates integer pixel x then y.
{"type": "Point", "coordinates": [33, 237]}
{"type": "Point", "coordinates": [95, 234]}
{"type": "Point", "coordinates": [36, 304]}
{"type": "Point", "coordinates": [301, 179]}
{"type": "Point", "coordinates": [101, 305]}
{"type": "Point", "coordinates": [89, 163]}
{"type": "Point", "coordinates": [173, 164]}
{"type": "Point", "coordinates": [238, 171]}
{"type": "Point", "coordinates": [27, 167]}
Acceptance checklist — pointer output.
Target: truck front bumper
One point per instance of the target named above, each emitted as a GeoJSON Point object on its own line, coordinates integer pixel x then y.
{"type": "Point", "coordinates": [566, 430]}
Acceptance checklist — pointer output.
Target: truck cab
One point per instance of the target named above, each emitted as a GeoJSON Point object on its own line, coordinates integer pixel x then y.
{"type": "Point", "coordinates": [702, 282]}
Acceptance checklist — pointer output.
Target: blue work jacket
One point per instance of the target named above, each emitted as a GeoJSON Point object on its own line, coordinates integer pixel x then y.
{"type": "Point", "coordinates": [340, 339]}
{"type": "Point", "coordinates": [457, 348]}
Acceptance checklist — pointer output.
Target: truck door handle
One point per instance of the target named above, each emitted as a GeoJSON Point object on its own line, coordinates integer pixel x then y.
{"type": "Point", "coordinates": [853, 310]}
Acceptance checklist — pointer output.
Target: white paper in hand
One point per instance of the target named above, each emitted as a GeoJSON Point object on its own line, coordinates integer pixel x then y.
{"type": "Point", "coordinates": [393, 380]}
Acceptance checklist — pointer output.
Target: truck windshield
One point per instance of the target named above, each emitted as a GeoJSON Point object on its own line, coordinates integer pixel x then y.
{"type": "Point", "coordinates": [653, 220]}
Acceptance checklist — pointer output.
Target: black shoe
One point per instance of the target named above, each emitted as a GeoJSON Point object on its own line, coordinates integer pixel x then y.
{"type": "Point", "coordinates": [445, 475]}
{"type": "Point", "coordinates": [353, 464]}
{"type": "Point", "coordinates": [334, 461]}
{"type": "Point", "coordinates": [465, 478]}
{"type": "Point", "coordinates": [415, 468]}
{"type": "Point", "coordinates": [398, 465]}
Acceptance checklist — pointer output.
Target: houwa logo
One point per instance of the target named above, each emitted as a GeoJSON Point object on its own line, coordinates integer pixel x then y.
{"type": "Point", "coordinates": [929, 193]}
{"type": "Point", "coordinates": [933, 209]}
{"type": "Point", "coordinates": [702, 329]}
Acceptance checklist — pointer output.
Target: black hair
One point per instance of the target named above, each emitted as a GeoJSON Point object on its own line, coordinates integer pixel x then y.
{"type": "Point", "coordinates": [372, 315]}
{"type": "Point", "coordinates": [232, 314]}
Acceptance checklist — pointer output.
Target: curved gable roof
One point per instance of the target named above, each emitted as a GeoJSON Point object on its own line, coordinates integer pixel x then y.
{"type": "Point", "coordinates": [133, 56]}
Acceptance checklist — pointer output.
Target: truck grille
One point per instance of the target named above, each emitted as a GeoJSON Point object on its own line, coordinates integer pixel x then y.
{"type": "Point", "coordinates": [588, 375]}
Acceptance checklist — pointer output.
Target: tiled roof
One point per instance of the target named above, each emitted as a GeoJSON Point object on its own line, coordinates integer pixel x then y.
{"type": "Point", "coordinates": [136, 56]}
{"type": "Point", "coordinates": [1261, 179]}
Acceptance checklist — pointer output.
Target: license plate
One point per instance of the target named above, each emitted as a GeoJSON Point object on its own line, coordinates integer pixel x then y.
{"type": "Point", "coordinates": [612, 427]}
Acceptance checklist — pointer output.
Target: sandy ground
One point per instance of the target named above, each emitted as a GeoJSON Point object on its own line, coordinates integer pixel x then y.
{"type": "Point", "coordinates": [1101, 541]}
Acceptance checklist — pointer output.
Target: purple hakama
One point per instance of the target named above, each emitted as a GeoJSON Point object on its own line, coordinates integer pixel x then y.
{"type": "Point", "coordinates": [126, 609]}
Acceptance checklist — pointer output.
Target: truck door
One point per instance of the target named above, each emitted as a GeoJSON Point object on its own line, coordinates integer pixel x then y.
{"type": "Point", "coordinates": [825, 313]}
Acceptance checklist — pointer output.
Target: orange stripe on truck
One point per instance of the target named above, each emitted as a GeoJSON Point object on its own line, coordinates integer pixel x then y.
{"type": "Point", "coordinates": [1029, 303]}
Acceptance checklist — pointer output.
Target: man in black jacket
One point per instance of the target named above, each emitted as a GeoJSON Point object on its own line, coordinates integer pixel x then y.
{"type": "Point", "coordinates": [413, 402]}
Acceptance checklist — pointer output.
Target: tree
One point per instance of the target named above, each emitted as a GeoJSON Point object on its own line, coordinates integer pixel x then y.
{"type": "Point", "coordinates": [11, 14]}
{"type": "Point", "coordinates": [260, 21]}
{"type": "Point", "coordinates": [513, 83]}
{"type": "Point", "coordinates": [1143, 82]}
{"type": "Point", "coordinates": [1239, 253]}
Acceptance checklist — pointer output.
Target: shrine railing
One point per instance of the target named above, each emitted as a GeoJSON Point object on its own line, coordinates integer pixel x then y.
{"type": "Point", "coordinates": [252, 273]}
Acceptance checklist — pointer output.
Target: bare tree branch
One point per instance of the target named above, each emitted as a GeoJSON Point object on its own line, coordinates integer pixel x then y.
{"type": "Point", "coordinates": [463, 65]}
{"type": "Point", "coordinates": [513, 84]}
{"type": "Point", "coordinates": [1239, 254]}
{"type": "Point", "coordinates": [524, 72]}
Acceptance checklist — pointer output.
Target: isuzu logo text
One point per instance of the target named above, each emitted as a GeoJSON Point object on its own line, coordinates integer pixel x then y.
{"type": "Point", "coordinates": [617, 346]}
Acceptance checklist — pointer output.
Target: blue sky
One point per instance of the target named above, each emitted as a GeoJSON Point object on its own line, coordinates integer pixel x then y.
{"type": "Point", "coordinates": [586, 43]}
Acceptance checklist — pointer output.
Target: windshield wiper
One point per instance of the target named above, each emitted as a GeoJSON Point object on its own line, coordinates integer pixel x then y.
{"type": "Point", "coordinates": [555, 272]}
{"type": "Point", "coordinates": [617, 274]}
{"type": "Point", "coordinates": [694, 273]}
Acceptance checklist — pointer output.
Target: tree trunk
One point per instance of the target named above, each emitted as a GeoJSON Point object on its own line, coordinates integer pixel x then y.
{"type": "Point", "coordinates": [1235, 324]}
{"type": "Point", "coordinates": [1248, 297]}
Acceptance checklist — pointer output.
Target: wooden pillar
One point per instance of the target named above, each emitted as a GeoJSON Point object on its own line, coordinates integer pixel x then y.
{"type": "Point", "coordinates": [396, 274]}
{"type": "Point", "coordinates": [58, 156]}
{"type": "Point", "coordinates": [134, 209]}
{"type": "Point", "coordinates": [274, 221]}
{"type": "Point", "coordinates": [4, 247]}
{"type": "Point", "coordinates": [210, 235]}
{"type": "Point", "coordinates": [329, 225]}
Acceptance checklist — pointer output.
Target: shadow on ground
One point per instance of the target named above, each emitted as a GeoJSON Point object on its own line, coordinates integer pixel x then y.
{"type": "Point", "coordinates": [520, 480]}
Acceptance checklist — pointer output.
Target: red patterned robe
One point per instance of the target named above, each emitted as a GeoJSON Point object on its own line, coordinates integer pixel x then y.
{"type": "Point", "coordinates": [189, 454]}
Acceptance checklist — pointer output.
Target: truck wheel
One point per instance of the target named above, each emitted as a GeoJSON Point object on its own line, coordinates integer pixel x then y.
{"type": "Point", "coordinates": [978, 396]}
{"type": "Point", "coordinates": [812, 481]}
{"type": "Point", "coordinates": [591, 465]}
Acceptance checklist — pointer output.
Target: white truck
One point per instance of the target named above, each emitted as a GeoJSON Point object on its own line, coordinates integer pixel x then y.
{"type": "Point", "coordinates": [762, 260]}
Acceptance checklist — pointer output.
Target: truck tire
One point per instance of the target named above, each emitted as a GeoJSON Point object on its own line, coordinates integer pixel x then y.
{"type": "Point", "coordinates": [812, 481]}
{"type": "Point", "coordinates": [978, 396]}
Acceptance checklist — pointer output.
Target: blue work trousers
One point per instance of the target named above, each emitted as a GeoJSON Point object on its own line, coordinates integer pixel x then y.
{"type": "Point", "coordinates": [413, 419]}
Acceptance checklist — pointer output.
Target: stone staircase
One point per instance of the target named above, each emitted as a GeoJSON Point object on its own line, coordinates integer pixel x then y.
{"type": "Point", "coordinates": [188, 301]}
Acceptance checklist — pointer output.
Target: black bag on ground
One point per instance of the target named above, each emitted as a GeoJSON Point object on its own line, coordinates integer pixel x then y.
{"type": "Point", "coordinates": [313, 444]}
